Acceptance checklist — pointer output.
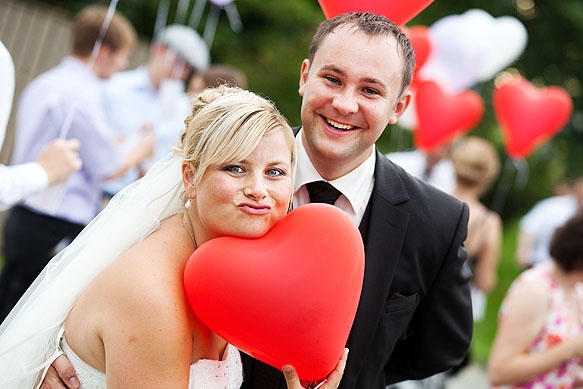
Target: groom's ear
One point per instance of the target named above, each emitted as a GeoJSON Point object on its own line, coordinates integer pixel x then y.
{"type": "Point", "coordinates": [401, 106]}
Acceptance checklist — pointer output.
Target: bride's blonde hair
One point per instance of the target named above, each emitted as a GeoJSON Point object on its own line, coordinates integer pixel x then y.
{"type": "Point", "coordinates": [226, 124]}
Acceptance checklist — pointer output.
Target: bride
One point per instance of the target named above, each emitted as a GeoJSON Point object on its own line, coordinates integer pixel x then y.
{"type": "Point", "coordinates": [113, 301]}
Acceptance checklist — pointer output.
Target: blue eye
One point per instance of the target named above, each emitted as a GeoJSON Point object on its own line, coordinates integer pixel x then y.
{"type": "Point", "coordinates": [234, 169]}
{"type": "Point", "coordinates": [275, 172]}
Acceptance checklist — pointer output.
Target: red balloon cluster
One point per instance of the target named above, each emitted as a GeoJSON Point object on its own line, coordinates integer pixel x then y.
{"type": "Point", "coordinates": [289, 297]}
{"type": "Point", "coordinates": [529, 116]}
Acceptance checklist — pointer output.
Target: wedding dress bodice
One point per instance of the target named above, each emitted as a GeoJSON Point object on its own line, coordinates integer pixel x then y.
{"type": "Point", "coordinates": [204, 373]}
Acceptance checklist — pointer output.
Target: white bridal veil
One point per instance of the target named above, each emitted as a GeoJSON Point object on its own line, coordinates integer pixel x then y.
{"type": "Point", "coordinates": [28, 336]}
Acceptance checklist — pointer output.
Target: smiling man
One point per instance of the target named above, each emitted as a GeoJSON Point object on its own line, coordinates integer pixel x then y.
{"type": "Point", "coordinates": [414, 317]}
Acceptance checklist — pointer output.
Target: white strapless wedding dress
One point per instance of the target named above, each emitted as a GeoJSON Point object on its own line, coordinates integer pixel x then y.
{"type": "Point", "coordinates": [204, 373]}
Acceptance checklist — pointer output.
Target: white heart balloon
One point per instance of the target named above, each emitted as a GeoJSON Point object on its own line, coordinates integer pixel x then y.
{"type": "Point", "coordinates": [472, 47]}
{"type": "Point", "coordinates": [504, 38]}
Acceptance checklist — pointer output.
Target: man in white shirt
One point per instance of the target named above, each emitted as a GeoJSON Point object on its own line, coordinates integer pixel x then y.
{"type": "Point", "coordinates": [56, 163]}
{"type": "Point", "coordinates": [65, 102]}
{"type": "Point", "coordinates": [539, 224]}
{"type": "Point", "coordinates": [433, 167]}
{"type": "Point", "coordinates": [152, 96]}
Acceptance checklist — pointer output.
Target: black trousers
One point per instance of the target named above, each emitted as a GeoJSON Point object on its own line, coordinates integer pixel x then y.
{"type": "Point", "coordinates": [30, 239]}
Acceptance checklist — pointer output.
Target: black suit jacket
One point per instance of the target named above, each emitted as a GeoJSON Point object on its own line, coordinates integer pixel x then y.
{"type": "Point", "coordinates": [414, 318]}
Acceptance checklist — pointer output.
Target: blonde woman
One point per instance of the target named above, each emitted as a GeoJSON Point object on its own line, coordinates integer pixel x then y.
{"type": "Point", "coordinates": [131, 326]}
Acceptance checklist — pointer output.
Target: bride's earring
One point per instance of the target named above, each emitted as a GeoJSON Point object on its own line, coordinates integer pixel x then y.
{"type": "Point", "coordinates": [187, 204]}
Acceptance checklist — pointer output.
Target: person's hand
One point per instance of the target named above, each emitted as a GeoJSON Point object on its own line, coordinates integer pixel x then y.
{"type": "Point", "coordinates": [61, 375]}
{"type": "Point", "coordinates": [146, 146]}
{"type": "Point", "coordinates": [332, 382]}
{"type": "Point", "coordinates": [60, 159]}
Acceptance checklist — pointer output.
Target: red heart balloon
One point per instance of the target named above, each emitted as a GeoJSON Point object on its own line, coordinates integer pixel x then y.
{"type": "Point", "coordinates": [421, 42]}
{"type": "Point", "coordinates": [399, 11]}
{"type": "Point", "coordinates": [529, 116]}
{"type": "Point", "coordinates": [287, 297]}
{"type": "Point", "coordinates": [442, 116]}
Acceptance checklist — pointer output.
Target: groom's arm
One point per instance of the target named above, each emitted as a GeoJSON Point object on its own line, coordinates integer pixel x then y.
{"type": "Point", "coordinates": [61, 375]}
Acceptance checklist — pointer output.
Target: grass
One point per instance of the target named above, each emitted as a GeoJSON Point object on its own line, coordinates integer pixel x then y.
{"type": "Point", "coordinates": [485, 331]}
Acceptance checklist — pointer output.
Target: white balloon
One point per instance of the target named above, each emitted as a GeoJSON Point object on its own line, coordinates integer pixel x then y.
{"type": "Point", "coordinates": [505, 42]}
{"type": "Point", "coordinates": [472, 47]}
{"type": "Point", "coordinates": [455, 55]}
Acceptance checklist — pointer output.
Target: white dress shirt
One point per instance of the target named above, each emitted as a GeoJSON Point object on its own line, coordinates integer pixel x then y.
{"type": "Point", "coordinates": [69, 93]}
{"type": "Point", "coordinates": [132, 102]}
{"type": "Point", "coordinates": [543, 219]}
{"type": "Point", "coordinates": [442, 176]}
{"type": "Point", "coordinates": [19, 181]}
{"type": "Point", "coordinates": [356, 186]}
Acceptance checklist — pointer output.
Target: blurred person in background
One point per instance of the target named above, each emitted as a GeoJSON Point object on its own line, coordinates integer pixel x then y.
{"type": "Point", "coordinates": [54, 164]}
{"type": "Point", "coordinates": [152, 97]}
{"type": "Point", "coordinates": [216, 75]}
{"type": "Point", "coordinates": [65, 102]}
{"type": "Point", "coordinates": [433, 166]}
{"type": "Point", "coordinates": [539, 224]}
{"type": "Point", "coordinates": [539, 343]}
{"type": "Point", "coordinates": [477, 166]}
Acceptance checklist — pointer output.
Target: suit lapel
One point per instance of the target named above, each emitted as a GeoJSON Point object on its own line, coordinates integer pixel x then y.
{"type": "Point", "coordinates": [383, 241]}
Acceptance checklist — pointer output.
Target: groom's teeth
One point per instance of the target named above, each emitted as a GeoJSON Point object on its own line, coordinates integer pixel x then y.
{"type": "Point", "coordinates": [339, 126]}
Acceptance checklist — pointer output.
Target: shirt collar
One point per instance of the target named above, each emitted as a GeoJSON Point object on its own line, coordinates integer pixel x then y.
{"type": "Point", "coordinates": [353, 185]}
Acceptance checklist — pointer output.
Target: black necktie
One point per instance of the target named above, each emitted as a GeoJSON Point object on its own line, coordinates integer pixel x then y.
{"type": "Point", "coordinates": [322, 192]}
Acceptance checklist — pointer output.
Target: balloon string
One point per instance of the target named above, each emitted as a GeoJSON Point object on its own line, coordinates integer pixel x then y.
{"type": "Point", "coordinates": [211, 24]}
{"type": "Point", "coordinates": [49, 199]}
{"type": "Point", "coordinates": [505, 183]}
{"type": "Point", "coordinates": [181, 11]}
{"type": "Point", "coordinates": [234, 17]}
{"type": "Point", "coordinates": [161, 17]}
{"type": "Point", "coordinates": [94, 53]}
{"type": "Point", "coordinates": [196, 14]}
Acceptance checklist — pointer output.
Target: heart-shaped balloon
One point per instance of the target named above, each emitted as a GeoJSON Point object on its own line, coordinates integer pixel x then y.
{"type": "Point", "coordinates": [442, 116]}
{"type": "Point", "coordinates": [399, 11]}
{"type": "Point", "coordinates": [529, 116]}
{"type": "Point", "coordinates": [472, 47]}
{"type": "Point", "coordinates": [289, 297]}
{"type": "Point", "coordinates": [421, 42]}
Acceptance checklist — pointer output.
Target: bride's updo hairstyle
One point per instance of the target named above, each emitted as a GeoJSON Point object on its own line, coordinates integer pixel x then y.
{"type": "Point", "coordinates": [226, 125]}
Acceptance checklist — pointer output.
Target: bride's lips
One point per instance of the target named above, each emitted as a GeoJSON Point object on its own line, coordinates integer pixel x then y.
{"type": "Point", "coordinates": [254, 209]}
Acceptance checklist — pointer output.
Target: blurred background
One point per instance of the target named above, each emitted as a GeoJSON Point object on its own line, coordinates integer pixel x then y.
{"type": "Point", "coordinates": [267, 40]}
